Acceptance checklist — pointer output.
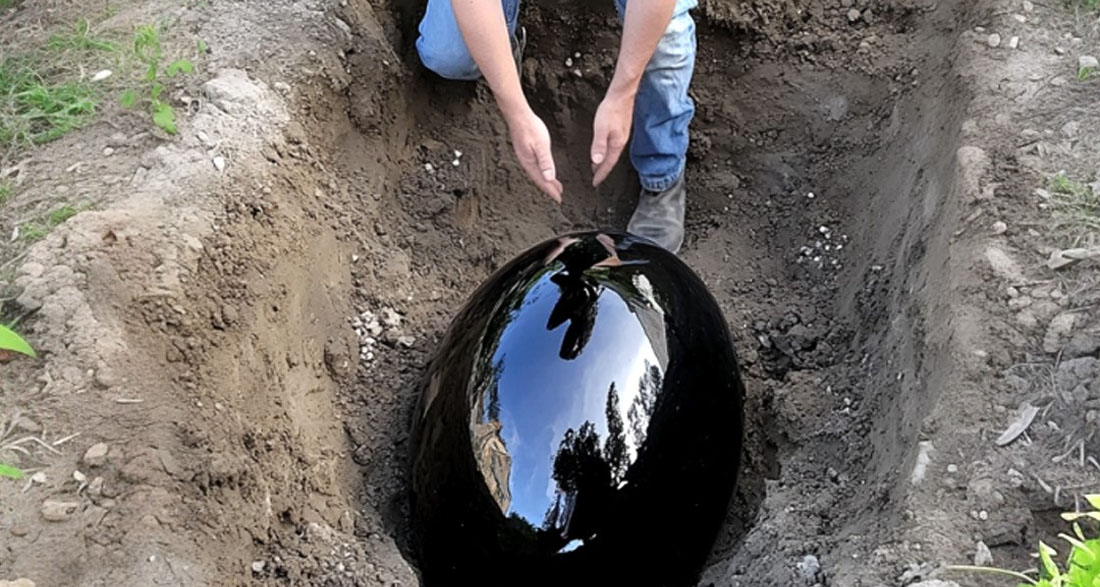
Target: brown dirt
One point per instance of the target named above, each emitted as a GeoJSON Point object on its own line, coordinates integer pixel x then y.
{"type": "Point", "coordinates": [212, 328]}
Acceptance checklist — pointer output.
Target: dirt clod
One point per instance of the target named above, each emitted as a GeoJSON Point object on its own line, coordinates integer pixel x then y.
{"type": "Point", "coordinates": [96, 455]}
{"type": "Point", "coordinates": [58, 511]}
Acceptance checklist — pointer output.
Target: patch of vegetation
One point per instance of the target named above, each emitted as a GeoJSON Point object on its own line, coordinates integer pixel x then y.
{"type": "Point", "coordinates": [7, 470]}
{"type": "Point", "coordinates": [1082, 566]}
{"type": "Point", "coordinates": [1078, 206]}
{"type": "Point", "coordinates": [147, 49]}
{"type": "Point", "coordinates": [1089, 5]}
{"type": "Point", "coordinates": [33, 231]}
{"type": "Point", "coordinates": [34, 110]}
{"type": "Point", "coordinates": [80, 39]}
{"type": "Point", "coordinates": [5, 191]}
{"type": "Point", "coordinates": [6, 4]}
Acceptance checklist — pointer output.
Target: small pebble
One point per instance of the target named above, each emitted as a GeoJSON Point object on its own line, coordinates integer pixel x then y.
{"type": "Point", "coordinates": [994, 40]}
{"type": "Point", "coordinates": [569, 62]}
{"type": "Point", "coordinates": [1029, 6]}
{"type": "Point", "coordinates": [854, 15]}
{"type": "Point", "coordinates": [108, 152]}
{"type": "Point", "coordinates": [96, 454]}
{"type": "Point", "coordinates": [258, 566]}
{"type": "Point", "coordinates": [952, 469]}
{"type": "Point", "coordinates": [999, 227]}
{"type": "Point", "coordinates": [101, 75]}
{"type": "Point", "coordinates": [1014, 42]}
{"type": "Point", "coordinates": [455, 162]}
{"type": "Point", "coordinates": [219, 163]}
{"type": "Point", "coordinates": [1020, 18]}
{"type": "Point", "coordinates": [983, 515]}
{"type": "Point", "coordinates": [58, 511]}
{"type": "Point", "coordinates": [1087, 62]}
{"type": "Point", "coordinates": [428, 167]}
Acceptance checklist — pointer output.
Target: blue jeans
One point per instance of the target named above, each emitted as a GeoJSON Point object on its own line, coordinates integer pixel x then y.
{"type": "Point", "coordinates": [662, 110]}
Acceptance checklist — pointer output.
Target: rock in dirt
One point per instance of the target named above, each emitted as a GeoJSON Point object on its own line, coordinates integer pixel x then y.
{"type": "Point", "coordinates": [1087, 62]}
{"type": "Point", "coordinates": [999, 227]}
{"type": "Point", "coordinates": [1059, 331]}
{"type": "Point", "coordinates": [96, 456]}
{"type": "Point", "coordinates": [809, 568]}
{"type": "Point", "coordinates": [58, 511]}
{"type": "Point", "coordinates": [1083, 344]}
{"type": "Point", "coordinates": [1024, 417]}
{"type": "Point", "coordinates": [1067, 257]}
{"type": "Point", "coordinates": [982, 555]}
{"type": "Point", "coordinates": [1003, 265]}
{"type": "Point", "coordinates": [854, 15]}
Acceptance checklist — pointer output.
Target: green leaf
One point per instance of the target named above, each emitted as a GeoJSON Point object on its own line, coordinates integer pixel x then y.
{"type": "Point", "coordinates": [157, 90]}
{"type": "Point", "coordinates": [10, 341]}
{"type": "Point", "coordinates": [165, 117]}
{"type": "Point", "coordinates": [1094, 501]}
{"type": "Point", "coordinates": [201, 46]}
{"type": "Point", "coordinates": [151, 73]}
{"type": "Point", "coordinates": [180, 66]}
{"type": "Point", "coordinates": [1049, 569]}
{"type": "Point", "coordinates": [10, 472]}
{"type": "Point", "coordinates": [128, 99]}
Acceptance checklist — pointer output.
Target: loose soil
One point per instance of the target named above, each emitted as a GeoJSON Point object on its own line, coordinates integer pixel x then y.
{"type": "Point", "coordinates": [243, 338]}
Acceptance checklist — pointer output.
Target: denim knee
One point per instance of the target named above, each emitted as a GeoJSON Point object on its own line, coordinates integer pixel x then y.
{"type": "Point", "coordinates": [451, 61]}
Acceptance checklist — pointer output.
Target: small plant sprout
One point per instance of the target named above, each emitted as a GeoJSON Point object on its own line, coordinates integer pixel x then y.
{"type": "Point", "coordinates": [10, 342]}
{"type": "Point", "coordinates": [1082, 568]}
{"type": "Point", "coordinates": [147, 49]}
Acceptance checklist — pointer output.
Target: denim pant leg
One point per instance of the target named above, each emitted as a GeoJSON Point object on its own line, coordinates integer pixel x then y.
{"type": "Point", "coordinates": [441, 46]}
{"type": "Point", "coordinates": [663, 110]}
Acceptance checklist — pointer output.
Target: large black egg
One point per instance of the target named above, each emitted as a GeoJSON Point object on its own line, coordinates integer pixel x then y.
{"type": "Point", "coordinates": [581, 423]}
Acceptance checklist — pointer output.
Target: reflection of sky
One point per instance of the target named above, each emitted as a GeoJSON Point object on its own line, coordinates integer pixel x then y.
{"type": "Point", "coordinates": [541, 396]}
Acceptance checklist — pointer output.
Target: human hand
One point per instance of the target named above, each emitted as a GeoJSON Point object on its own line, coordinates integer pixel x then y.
{"type": "Point", "coordinates": [531, 142]}
{"type": "Point", "coordinates": [611, 131]}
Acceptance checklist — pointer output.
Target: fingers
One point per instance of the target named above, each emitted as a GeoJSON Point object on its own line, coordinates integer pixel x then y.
{"type": "Point", "coordinates": [614, 149]}
{"type": "Point", "coordinates": [539, 165]}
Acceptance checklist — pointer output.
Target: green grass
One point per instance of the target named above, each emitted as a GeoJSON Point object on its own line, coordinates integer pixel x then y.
{"type": "Point", "coordinates": [34, 110]}
{"type": "Point", "coordinates": [5, 191]}
{"type": "Point", "coordinates": [1077, 208]}
{"type": "Point", "coordinates": [80, 39]}
{"type": "Point", "coordinates": [33, 231]}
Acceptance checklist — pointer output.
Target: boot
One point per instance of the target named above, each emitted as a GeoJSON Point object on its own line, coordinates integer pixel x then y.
{"type": "Point", "coordinates": [660, 216]}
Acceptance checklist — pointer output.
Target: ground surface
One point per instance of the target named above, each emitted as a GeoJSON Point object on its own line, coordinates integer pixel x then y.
{"type": "Point", "coordinates": [232, 324]}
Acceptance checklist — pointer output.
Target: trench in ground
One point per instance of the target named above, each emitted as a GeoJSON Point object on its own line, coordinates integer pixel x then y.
{"type": "Point", "coordinates": [817, 290]}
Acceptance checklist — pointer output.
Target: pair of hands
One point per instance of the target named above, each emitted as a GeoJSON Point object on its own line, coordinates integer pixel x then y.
{"type": "Point", "coordinates": [531, 141]}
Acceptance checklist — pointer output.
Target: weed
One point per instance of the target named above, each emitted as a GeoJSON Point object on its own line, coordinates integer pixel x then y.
{"type": "Point", "coordinates": [34, 110]}
{"type": "Point", "coordinates": [1083, 73]}
{"type": "Point", "coordinates": [60, 215]}
{"type": "Point", "coordinates": [147, 49]}
{"type": "Point", "coordinates": [5, 191]}
{"type": "Point", "coordinates": [80, 39]}
{"type": "Point", "coordinates": [1078, 206]}
{"type": "Point", "coordinates": [1082, 568]}
{"type": "Point", "coordinates": [33, 231]}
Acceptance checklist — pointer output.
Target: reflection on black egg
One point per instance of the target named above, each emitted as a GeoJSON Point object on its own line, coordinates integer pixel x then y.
{"type": "Point", "coordinates": [581, 423]}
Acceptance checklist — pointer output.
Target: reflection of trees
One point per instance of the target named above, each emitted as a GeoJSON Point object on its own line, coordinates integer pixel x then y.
{"type": "Point", "coordinates": [587, 474]}
{"type": "Point", "coordinates": [641, 409]}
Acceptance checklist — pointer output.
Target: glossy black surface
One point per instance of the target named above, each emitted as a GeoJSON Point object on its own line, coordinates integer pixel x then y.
{"type": "Point", "coordinates": [581, 423]}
